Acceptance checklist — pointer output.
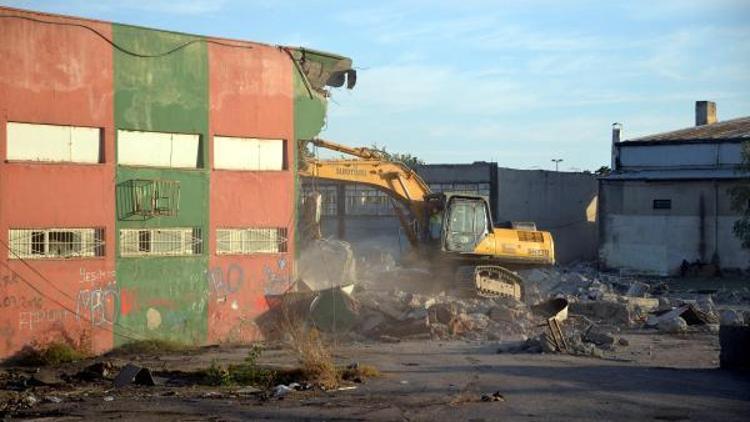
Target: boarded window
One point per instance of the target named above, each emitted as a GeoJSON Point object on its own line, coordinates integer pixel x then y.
{"type": "Point", "coordinates": [51, 143]}
{"type": "Point", "coordinates": [248, 153]}
{"type": "Point", "coordinates": [662, 204]}
{"type": "Point", "coordinates": [251, 240]}
{"type": "Point", "coordinates": [158, 149]}
{"type": "Point", "coordinates": [161, 242]}
{"type": "Point", "coordinates": [56, 243]}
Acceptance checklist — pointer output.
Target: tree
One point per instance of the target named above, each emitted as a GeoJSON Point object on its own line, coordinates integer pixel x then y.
{"type": "Point", "coordinates": [602, 171]}
{"type": "Point", "coordinates": [409, 160]}
{"type": "Point", "coordinates": [741, 200]}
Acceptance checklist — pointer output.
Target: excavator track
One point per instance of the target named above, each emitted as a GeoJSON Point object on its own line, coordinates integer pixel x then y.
{"type": "Point", "coordinates": [489, 281]}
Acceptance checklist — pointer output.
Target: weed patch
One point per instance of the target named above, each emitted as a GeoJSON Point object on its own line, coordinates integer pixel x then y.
{"type": "Point", "coordinates": [358, 373]}
{"type": "Point", "coordinates": [49, 355]}
{"type": "Point", "coordinates": [150, 347]}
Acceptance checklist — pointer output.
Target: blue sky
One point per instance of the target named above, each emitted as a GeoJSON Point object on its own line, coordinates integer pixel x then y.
{"type": "Point", "coordinates": [517, 82]}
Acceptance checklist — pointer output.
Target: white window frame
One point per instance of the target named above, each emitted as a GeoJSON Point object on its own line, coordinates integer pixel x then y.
{"type": "Point", "coordinates": [158, 149]}
{"type": "Point", "coordinates": [251, 240]}
{"type": "Point", "coordinates": [249, 154]}
{"type": "Point", "coordinates": [47, 143]}
{"type": "Point", "coordinates": [40, 243]}
{"type": "Point", "coordinates": [172, 241]}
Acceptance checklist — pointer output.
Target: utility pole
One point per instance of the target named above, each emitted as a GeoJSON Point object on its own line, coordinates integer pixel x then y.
{"type": "Point", "coordinates": [557, 163]}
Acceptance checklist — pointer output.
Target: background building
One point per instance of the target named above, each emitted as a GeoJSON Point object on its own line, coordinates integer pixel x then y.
{"type": "Point", "coordinates": [147, 179]}
{"type": "Point", "coordinates": [667, 199]}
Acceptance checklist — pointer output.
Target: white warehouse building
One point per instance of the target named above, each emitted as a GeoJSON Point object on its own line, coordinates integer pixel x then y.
{"type": "Point", "coordinates": [667, 202]}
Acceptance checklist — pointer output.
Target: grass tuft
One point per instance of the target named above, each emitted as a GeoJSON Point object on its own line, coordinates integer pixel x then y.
{"type": "Point", "coordinates": [358, 372]}
{"type": "Point", "coordinates": [52, 354]}
{"type": "Point", "coordinates": [151, 346]}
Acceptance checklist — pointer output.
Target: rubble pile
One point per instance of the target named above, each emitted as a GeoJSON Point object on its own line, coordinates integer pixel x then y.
{"type": "Point", "coordinates": [391, 303]}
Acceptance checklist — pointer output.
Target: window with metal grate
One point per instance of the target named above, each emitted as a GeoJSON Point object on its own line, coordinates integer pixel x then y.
{"type": "Point", "coordinates": [245, 241]}
{"type": "Point", "coordinates": [56, 243]}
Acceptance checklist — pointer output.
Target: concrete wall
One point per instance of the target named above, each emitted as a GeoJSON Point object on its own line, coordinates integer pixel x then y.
{"type": "Point", "coordinates": [562, 203]}
{"type": "Point", "coordinates": [477, 172]}
{"type": "Point", "coordinates": [56, 75]}
{"type": "Point", "coordinates": [635, 237]}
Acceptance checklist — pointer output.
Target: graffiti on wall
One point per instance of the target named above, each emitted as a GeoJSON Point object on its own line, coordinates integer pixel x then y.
{"type": "Point", "coordinates": [31, 319]}
{"type": "Point", "coordinates": [95, 305]}
{"type": "Point", "coordinates": [99, 305]}
{"type": "Point", "coordinates": [223, 284]}
{"type": "Point", "coordinates": [277, 278]}
{"type": "Point", "coordinates": [95, 276]}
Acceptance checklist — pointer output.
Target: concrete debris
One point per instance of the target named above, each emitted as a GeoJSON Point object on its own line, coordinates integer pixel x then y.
{"type": "Point", "coordinates": [30, 400]}
{"type": "Point", "coordinates": [673, 325]}
{"type": "Point", "coordinates": [603, 311]}
{"type": "Point", "coordinates": [327, 263]}
{"type": "Point", "coordinates": [496, 396]}
{"type": "Point", "coordinates": [601, 338]}
{"type": "Point", "coordinates": [638, 289]}
{"type": "Point", "coordinates": [52, 399]}
{"type": "Point", "coordinates": [390, 303]}
{"type": "Point", "coordinates": [95, 371]}
{"type": "Point", "coordinates": [281, 390]}
{"type": "Point", "coordinates": [730, 317]}
{"type": "Point", "coordinates": [134, 374]}
{"type": "Point", "coordinates": [46, 377]}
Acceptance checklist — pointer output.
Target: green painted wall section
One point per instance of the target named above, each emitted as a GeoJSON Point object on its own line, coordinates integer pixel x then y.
{"type": "Point", "coordinates": [309, 109]}
{"type": "Point", "coordinates": [164, 297]}
{"type": "Point", "coordinates": [309, 118]}
{"type": "Point", "coordinates": [168, 93]}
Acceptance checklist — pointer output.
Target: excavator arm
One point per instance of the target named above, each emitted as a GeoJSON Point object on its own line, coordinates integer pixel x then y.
{"type": "Point", "coordinates": [396, 179]}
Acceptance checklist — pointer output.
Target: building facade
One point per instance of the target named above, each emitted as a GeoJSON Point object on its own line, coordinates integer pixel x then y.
{"type": "Point", "coordinates": [667, 200]}
{"type": "Point", "coordinates": [147, 180]}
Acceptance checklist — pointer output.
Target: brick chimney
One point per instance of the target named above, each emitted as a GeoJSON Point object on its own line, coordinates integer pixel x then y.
{"type": "Point", "coordinates": [705, 113]}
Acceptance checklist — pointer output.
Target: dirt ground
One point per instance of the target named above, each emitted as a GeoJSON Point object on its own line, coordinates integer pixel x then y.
{"type": "Point", "coordinates": [656, 377]}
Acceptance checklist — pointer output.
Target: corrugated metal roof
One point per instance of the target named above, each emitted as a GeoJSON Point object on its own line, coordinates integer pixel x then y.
{"type": "Point", "coordinates": [728, 130]}
{"type": "Point", "coordinates": [686, 174]}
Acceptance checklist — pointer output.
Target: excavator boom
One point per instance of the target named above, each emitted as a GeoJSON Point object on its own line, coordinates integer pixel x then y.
{"type": "Point", "coordinates": [467, 234]}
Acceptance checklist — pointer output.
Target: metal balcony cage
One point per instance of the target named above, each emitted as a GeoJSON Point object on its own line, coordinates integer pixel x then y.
{"type": "Point", "coordinates": [144, 198]}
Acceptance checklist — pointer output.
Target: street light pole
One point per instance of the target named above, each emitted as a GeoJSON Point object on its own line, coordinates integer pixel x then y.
{"type": "Point", "coordinates": [557, 163]}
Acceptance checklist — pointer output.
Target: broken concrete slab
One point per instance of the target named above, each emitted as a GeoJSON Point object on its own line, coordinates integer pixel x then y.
{"type": "Point", "coordinates": [644, 304]}
{"type": "Point", "coordinates": [334, 310]}
{"type": "Point", "coordinates": [601, 338]}
{"type": "Point", "coordinates": [46, 377]}
{"type": "Point", "coordinates": [133, 374]}
{"type": "Point", "coordinates": [327, 263]}
{"type": "Point", "coordinates": [611, 312]}
{"type": "Point", "coordinates": [672, 325]}
{"type": "Point", "coordinates": [442, 313]}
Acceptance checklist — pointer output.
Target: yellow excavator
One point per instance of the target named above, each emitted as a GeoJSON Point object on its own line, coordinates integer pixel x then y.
{"type": "Point", "coordinates": [454, 232]}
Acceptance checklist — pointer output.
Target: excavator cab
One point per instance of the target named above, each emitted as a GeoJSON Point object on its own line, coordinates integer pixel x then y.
{"type": "Point", "coordinates": [457, 222]}
{"type": "Point", "coordinates": [466, 222]}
